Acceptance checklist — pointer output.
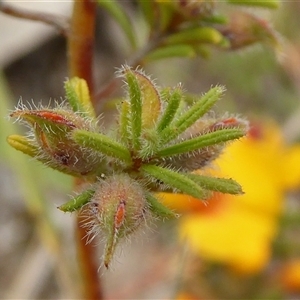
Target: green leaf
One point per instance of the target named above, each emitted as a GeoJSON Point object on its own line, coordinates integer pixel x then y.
{"type": "Point", "coordinates": [175, 180]}
{"type": "Point", "coordinates": [77, 202]}
{"type": "Point", "coordinates": [124, 122]}
{"type": "Point", "coordinates": [215, 18]}
{"type": "Point", "coordinates": [202, 50]}
{"type": "Point", "coordinates": [118, 13]}
{"type": "Point", "coordinates": [173, 100]}
{"type": "Point", "coordinates": [135, 96]}
{"type": "Point", "coordinates": [260, 3]}
{"type": "Point", "coordinates": [209, 139]}
{"type": "Point", "coordinates": [102, 143]}
{"type": "Point", "coordinates": [148, 10]}
{"type": "Point", "coordinates": [195, 36]}
{"type": "Point", "coordinates": [23, 144]}
{"type": "Point", "coordinates": [158, 208]}
{"type": "Point", "coordinates": [150, 144]}
{"type": "Point", "coordinates": [164, 15]}
{"type": "Point", "coordinates": [77, 93]}
{"type": "Point", "coordinates": [179, 50]}
{"type": "Point", "coordinates": [223, 185]}
{"type": "Point", "coordinates": [196, 111]}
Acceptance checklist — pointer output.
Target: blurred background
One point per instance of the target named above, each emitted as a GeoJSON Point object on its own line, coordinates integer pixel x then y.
{"type": "Point", "coordinates": [37, 251]}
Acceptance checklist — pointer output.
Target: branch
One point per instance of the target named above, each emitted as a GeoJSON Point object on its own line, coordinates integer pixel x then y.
{"type": "Point", "coordinates": [80, 61]}
{"type": "Point", "coordinates": [81, 41]}
{"type": "Point", "coordinates": [61, 23]}
{"type": "Point", "coordinates": [88, 264]}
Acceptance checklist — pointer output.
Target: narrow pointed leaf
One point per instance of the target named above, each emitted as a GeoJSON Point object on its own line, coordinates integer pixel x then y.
{"type": "Point", "coordinates": [173, 100]}
{"type": "Point", "coordinates": [159, 209]}
{"type": "Point", "coordinates": [195, 36]}
{"type": "Point", "coordinates": [164, 15]}
{"type": "Point", "coordinates": [203, 50]}
{"type": "Point", "coordinates": [101, 143]}
{"type": "Point", "coordinates": [77, 93]}
{"type": "Point", "coordinates": [178, 50]}
{"type": "Point", "coordinates": [266, 3]}
{"type": "Point", "coordinates": [124, 122]}
{"type": "Point", "coordinates": [215, 18]}
{"type": "Point", "coordinates": [197, 110]}
{"type": "Point", "coordinates": [118, 13]}
{"type": "Point", "coordinates": [223, 185]}
{"type": "Point", "coordinates": [135, 96]}
{"type": "Point", "coordinates": [77, 202]}
{"type": "Point", "coordinates": [148, 9]}
{"type": "Point", "coordinates": [201, 141]}
{"type": "Point", "coordinates": [23, 144]}
{"type": "Point", "coordinates": [175, 180]}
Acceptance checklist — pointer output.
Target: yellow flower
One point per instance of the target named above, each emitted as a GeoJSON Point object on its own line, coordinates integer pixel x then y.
{"type": "Point", "coordinates": [238, 230]}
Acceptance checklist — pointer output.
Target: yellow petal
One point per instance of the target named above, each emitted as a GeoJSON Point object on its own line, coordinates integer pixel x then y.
{"type": "Point", "coordinates": [236, 237]}
{"type": "Point", "coordinates": [291, 167]}
{"type": "Point", "coordinates": [256, 164]}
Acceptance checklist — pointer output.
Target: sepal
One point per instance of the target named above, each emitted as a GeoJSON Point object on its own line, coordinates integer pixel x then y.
{"type": "Point", "coordinates": [174, 180]}
{"type": "Point", "coordinates": [222, 185]}
{"type": "Point", "coordinates": [158, 209]}
{"type": "Point", "coordinates": [23, 144]}
{"type": "Point", "coordinates": [78, 96]}
{"type": "Point", "coordinates": [51, 134]}
{"type": "Point", "coordinates": [77, 202]}
{"type": "Point", "coordinates": [102, 144]}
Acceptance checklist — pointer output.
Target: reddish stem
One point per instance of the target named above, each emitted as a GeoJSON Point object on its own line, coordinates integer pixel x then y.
{"type": "Point", "coordinates": [81, 41]}
{"type": "Point", "coordinates": [80, 58]}
{"type": "Point", "coordinates": [88, 264]}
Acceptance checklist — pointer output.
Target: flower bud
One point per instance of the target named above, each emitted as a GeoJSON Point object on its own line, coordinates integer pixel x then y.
{"type": "Point", "coordinates": [117, 209]}
{"type": "Point", "coordinates": [201, 157]}
{"type": "Point", "coordinates": [51, 130]}
{"type": "Point", "coordinates": [195, 9]}
{"type": "Point", "coordinates": [245, 29]}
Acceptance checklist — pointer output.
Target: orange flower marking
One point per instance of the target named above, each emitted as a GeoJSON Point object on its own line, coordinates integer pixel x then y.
{"type": "Point", "coordinates": [48, 115]}
{"type": "Point", "coordinates": [226, 123]}
{"type": "Point", "coordinates": [120, 214]}
{"type": "Point", "coordinates": [290, 276]}
{"type": "Point", "coordinates": [53, 117]}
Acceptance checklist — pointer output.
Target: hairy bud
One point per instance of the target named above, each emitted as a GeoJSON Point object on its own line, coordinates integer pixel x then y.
{"type": "Point", "coordinates": [202, 156]}
{"type": "Point", "coordinates": [245, 29]}
{"type": "Point", "coordinates": [116, 210]}
{"type": "Point", "coordinates": [51, 134]}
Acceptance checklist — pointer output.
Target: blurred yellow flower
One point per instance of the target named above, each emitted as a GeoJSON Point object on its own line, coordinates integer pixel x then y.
{"type": "Point", "coordinates": [238, 230]}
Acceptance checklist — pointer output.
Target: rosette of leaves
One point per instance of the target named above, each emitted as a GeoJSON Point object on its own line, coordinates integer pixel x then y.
{"type": "Point", "coordinates": [190, 28]}
{"type": "Point", "coordinates": [156, 143]}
